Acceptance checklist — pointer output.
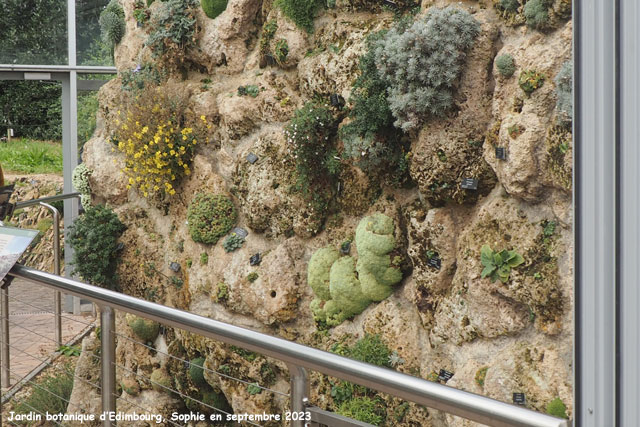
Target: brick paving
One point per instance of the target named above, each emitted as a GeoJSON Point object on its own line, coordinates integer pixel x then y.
{"type": "Point", "coordinates": [31, 329]}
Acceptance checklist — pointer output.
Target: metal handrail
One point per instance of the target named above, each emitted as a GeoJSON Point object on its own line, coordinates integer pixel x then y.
{"type": "Point", "coordinates": [48, 199]}
{"type": "Point", "coordinates": [298, 357]}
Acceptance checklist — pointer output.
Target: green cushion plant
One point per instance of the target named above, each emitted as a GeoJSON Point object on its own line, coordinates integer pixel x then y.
{"type": "Point", "coordinates": [210, 217]}
{"type": "Point", "coordinates": [505, 65]}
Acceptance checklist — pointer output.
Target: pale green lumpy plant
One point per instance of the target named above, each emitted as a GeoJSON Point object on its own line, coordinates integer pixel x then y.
{"type": "Point", "coordinates": [345, 287]}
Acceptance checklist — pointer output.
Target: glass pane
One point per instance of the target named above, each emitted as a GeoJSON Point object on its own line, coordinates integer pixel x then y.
{"type": "Point", "coordinates": [33, 32]}
{"type": "Point", "coordinates": [91, 50]}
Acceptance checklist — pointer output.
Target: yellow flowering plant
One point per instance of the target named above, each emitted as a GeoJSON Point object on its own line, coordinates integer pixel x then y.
{"type": "Point", "coordinates": [158, 135]}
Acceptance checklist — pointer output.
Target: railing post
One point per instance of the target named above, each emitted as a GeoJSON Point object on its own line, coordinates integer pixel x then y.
{"type": "Point", "coordinates": [4, 297]}
{"type": "Point", "coordinates": [2, 355]}
{"type": "Point", "coordinates": [108, 358]}
{"type": "Point", "coordinates": [299, 394]}
{"type": "Point", "coordinates": [57, 306]}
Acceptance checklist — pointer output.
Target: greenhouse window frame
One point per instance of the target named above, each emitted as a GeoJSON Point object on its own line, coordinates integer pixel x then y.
{"type": "Point", "coordinates": [606, 201]}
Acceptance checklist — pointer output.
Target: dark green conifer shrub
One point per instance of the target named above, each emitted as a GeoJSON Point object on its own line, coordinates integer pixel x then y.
{"type": "Point", "coordinates": [213, 8]}
{"type": "Point", "coordinates": [422, 63]}
{"type": "Point", "coordinates": [94, 239]}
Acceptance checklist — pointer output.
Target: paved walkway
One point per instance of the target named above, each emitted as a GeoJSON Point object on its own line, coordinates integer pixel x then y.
{"type": "Point", "coordinates": [31, 327]}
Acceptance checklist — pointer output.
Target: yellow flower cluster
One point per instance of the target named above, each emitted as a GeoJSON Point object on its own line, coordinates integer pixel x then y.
{"type": "Point", "coordinates": [158, 149]}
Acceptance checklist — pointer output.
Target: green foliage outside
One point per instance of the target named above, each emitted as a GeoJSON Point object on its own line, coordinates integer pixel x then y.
{"type": "Point", "coordinates": [530, 80]}
{"type": "Point", "coordinates": [94, 239]}
{"type": "Point", "coordinates": [423, 62]}
{"type": "Point", "coordinates": [301, 12]}
{"type": "Point", "coordinates": [50, 394]}
{"type": "Point", "coordinates": [33, 32]}
{"type": "Point", "coordinates": [505, 65]}
{"type": "Point", "coordinates": [498, 265]}
{"type": "Point", "coordinates": [213, 8]}
{"type": "Point", "coordinates": [87, 109]}
{"type": "Point", "coordinates": [557, 408]}
{"type": "Point", "coordinates": [375, 241]}
{"type": "Point", "coordinates": [340, 292]}
{"type": "Point", "coordinates": [210, 217]}
{"type": "Point", "coordinates": [364, 409]}
{"type": "Point", "coordinates": [32, 109]}
{"type": "Point", "coordinates": [26, 156]}
{"type": "Point", "coordinates": [252, 277]}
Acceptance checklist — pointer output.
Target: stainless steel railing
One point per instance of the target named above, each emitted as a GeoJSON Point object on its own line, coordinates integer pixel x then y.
{"type": "Point", "coordinates": [299, 359]}
{"type": "Point", "coordinates": [56, 249]}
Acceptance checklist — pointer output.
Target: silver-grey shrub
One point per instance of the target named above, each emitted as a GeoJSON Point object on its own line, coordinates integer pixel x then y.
{"type": "Point", "coordinates": [564, 92]}
{"type": "Point", "coordinates": [423, 62]}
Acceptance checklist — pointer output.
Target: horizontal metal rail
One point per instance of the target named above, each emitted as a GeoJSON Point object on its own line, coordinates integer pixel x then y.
{"type": "Point", "coordinates": [49, 199]}
{"type": "Point", "coordinates": [90, 69]}
{"type": "Point", "coordinates": [437, 396]}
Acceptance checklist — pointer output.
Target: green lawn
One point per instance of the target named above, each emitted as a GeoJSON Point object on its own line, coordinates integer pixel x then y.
{"type": "Point", "coordinates": [28, 156]}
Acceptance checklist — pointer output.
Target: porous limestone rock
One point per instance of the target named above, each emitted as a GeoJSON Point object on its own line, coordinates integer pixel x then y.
{"type": "Point", "coordinates": [273, 296]}
{"type": "Point", "coordinates": [432, 236]}
{"type": "Point", "coordinates": [534, 160]}
{"type": "Point", "coordinates": [223, 40]}
{"type": "Point", "coordinates": [477, 307]}
{"type": "Point", "coordinates": [448, 150]}
{"type": "Point", "coordinates": [266, 190]}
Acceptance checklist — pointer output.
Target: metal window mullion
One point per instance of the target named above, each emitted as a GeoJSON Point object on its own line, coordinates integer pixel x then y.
{"type": "Point", "coordinates": [595, 220]}
{"type": "Point", "coordinates": [629, 132]}
{"type": "Point", "coordinates": [70, 141]}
